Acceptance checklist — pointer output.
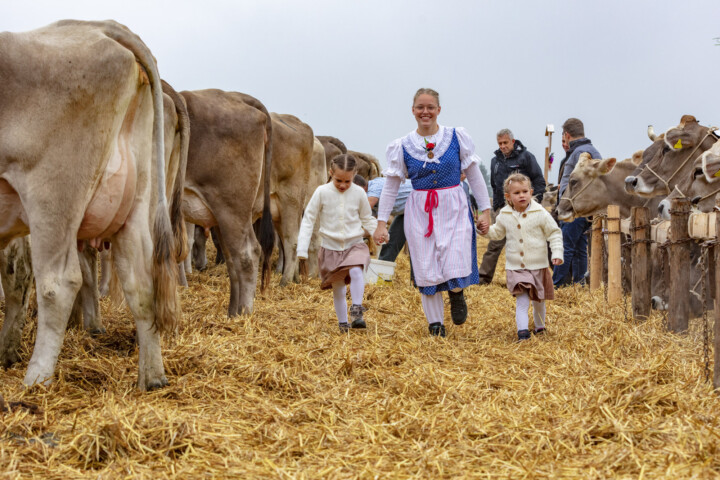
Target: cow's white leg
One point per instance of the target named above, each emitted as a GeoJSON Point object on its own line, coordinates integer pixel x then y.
{"type": "Point", "coordinates": [89, 297]}
{"type": "Point", "coordinates": [58, 279]}
{"type": "Point", "coordinates": [105, 272]}
{"type": "Point", "coordinates": [16, 268]}
{"type": "Point", "coordinates": [132, 254]}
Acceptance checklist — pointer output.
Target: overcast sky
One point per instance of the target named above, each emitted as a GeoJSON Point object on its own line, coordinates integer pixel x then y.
{"type": "Point", "coordinates": [350, 68]}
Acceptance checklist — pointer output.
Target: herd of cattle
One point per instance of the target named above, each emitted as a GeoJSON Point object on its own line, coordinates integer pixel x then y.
{"type": "Point", "coordinates": [98, 154]}
{"type": "Point", "coordinates": [680, 163]}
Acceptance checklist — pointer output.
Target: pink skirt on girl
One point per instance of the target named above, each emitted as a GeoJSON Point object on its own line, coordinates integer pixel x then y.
{"type": "Point", "coordinates": [537, 283]}
{"type": "Point", "coordinates": [335, 265]}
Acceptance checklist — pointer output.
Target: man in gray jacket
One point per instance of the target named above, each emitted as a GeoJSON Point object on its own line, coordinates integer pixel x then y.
{"type": "Point", "coordinates": [574, 239]}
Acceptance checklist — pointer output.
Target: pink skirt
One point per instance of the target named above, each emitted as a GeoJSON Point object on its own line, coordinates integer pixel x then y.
{"type": "Point", "coordinates": [335, 265]}
{"type": "Point", "coordinates": [537, 283]}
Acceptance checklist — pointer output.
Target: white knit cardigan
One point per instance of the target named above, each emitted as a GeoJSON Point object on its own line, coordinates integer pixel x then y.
{"type": "Point", "coordinates": [527, 236]}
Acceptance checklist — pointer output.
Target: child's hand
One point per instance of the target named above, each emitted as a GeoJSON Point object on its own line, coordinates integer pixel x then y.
{"type": "Point", "coordinates": [483, 226]}
{"type": "Point", "coordinates": [557, 261]}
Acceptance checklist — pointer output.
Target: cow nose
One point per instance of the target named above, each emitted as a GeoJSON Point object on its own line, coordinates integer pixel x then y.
{"type": "Point", "coordinates": [631, 181]}
{"type": "Point", "coordinates": [661, 207]}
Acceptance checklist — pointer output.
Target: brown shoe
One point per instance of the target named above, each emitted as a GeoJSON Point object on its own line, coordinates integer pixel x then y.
{"type": "Point", "coordinates": [356, 315]}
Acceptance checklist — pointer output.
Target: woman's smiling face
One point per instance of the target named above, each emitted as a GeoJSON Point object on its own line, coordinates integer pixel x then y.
{"type": "Point", "coordinates": [426, 109]}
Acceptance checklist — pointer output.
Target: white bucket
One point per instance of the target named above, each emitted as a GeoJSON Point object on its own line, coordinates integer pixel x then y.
{"type": "Point", "coordinates": [379, 272]}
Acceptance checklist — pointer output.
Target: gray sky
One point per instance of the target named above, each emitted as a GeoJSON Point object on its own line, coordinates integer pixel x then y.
{"type": "Point", "coordinates": [350, 68]}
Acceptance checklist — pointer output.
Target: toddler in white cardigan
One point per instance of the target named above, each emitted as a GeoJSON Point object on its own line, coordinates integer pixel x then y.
{"type": "Point", "coordinates": [528, 227]}
{"type": "Point", "coordinates": [343, 210]}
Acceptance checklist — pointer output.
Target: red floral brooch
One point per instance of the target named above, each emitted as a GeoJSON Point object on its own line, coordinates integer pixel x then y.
{"type": "Point", "coordinates": [428, 148]}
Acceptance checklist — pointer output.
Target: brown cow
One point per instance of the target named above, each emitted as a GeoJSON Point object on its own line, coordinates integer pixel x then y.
{"type": "Point", "coordinates": [674, 161]}
{"type": "Point", "coordinates": [227, 183]}
{"type": "Point", "coordinates": [293, 148]}
{"type": "Point", "coordinates": [81, 161]}
{"type": "Point", "coordinates": [368, 165]}
{"type": "Point", "coordinates": [333, 147]}
{"type": "Point", "coordinates": [595, 184]}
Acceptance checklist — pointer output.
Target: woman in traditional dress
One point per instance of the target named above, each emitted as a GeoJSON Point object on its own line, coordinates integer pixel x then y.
{"type": "Point", "coordinates": [438, 223]}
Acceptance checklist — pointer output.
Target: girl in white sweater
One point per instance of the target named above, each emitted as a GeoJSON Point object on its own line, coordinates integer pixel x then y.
{"type": "Point", "coordinates": [343, 211]}
{"type": "Point", "coordinates": [528, 227]}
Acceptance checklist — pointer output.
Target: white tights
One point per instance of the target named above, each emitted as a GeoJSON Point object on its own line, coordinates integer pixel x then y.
{"type": "Point", "coordinates": [357, 291]}
{"type": "Point", "coordinates": [434, 307]}
{"type": "Point", "coordinates": [521, 312]}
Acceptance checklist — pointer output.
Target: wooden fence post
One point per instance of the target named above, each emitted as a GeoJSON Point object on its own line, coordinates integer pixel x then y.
{"type": "Point", "coordinates": [679, 265]}
{"type": "Point", "coordinates": [614, 261]}
{"type": "Point", "coordinates": [596, 255]}
{"type": "Point", "coordinates": [641, 274]}
{"type": "Point", "coordinates": [716, 342]}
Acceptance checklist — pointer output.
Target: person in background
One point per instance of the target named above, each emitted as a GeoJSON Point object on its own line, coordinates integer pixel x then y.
{"type": "Point", "coordinates": [510, 157]}
{"type": "Point", "coordinates": [574, 239]}
{"type": "Point", "coordinates": [391, 249]}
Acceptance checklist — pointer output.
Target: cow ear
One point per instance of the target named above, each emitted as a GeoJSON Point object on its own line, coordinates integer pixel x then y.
{"type": "Point", "coordinates": [637, 157]}
{"type": "Point", "coordinates": [605, 166]}
{"type": "Point", "coordinates": [677, 140]}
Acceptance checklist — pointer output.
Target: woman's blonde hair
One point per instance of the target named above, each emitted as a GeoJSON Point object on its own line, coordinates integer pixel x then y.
{"type": "Point", "coordinates": [515, 178]}
{"type": "Point", "coordinates": [427, 91]}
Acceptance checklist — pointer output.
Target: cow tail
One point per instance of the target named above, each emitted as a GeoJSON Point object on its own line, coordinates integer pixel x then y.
{"type": "Point", "coordinates": [266, 230]}
{"type": "Point", "coordinates": [166, 304]}
{"type": "Point", "coordinates": [176, 217]}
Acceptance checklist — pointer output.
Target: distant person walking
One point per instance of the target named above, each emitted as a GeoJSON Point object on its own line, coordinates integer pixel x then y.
{"type": "Point", "coordinates": [510, 157]}
{"type": "Point", "coordinates": [574, 239]}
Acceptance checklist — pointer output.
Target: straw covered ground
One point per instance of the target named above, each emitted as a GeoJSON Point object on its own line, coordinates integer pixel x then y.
{"type": "Point", "coordinates": [282, 394]}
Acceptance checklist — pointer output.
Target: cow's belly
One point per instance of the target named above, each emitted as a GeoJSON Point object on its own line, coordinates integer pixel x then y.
{"type": "Point", "coordinates": [13, 219]}
{"type": "Point", "coordinates": [112, 201]}
{"type": "Point", "coordinates": [196, 211]}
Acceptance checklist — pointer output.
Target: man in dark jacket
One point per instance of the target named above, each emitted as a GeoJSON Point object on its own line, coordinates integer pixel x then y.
{"type": "Point", "coordinates": [574, 239]}
{"type": "Point", "coordinates": [511, 157]}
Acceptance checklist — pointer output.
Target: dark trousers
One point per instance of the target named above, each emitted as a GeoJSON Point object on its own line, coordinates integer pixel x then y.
{"type": "Point", "coordinates": [391, 249]}
{"type": "Point", "coordinates": [490, 259]}
{"type": "Point", "coordinates": [575, 252]}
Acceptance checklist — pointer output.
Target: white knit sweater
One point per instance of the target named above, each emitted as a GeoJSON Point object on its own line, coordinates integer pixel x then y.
{"type": "Point", "coordinates": [342, 217]}
{"type": "Point", "coordinates": [527, 236]}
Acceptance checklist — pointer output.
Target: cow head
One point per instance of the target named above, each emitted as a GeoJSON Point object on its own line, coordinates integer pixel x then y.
{"type": "Point", "coordinates": [710, 163]}
{"type": "Point", "coordinates": [579, 200]}
{"type": "Point", "coordinates": [549, 199]}
{"type": "Point", "coordinates": [671, 160]}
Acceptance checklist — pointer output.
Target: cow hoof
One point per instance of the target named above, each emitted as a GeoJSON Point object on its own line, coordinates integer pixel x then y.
{"type": "Point", "coordinates": [157, 384]}
{"type": "Point", "coordinates": [97, 331]}
{"type": "Point", "coordinates": [8, 358]}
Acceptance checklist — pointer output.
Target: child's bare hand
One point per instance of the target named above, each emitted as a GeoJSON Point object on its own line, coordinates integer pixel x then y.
{"type": "Point", "coordinates": [557, 261]}
{"type": "Point", "coordinates": [483, 226]}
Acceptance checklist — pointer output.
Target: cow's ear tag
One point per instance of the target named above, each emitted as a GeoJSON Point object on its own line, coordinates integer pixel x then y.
{"type": "Point", "coordinates": [678, 145]}
{"type": "Point", "coordinates": [717, 174]}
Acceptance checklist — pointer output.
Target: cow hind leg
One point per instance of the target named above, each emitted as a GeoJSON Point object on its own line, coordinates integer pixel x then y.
{"type": "Point", "coordinates": [105, 272]}
{"type": "Point", "coordinates": [89, 295]}
{"type": "Point", "coordinates": [242, 255]}
{"type": "Point", "coordinates": [132, 255]}
{"type": "Point", "coordinates": [58, 279]}
{"type": "Point", "coordinates": [16, 268]}
{"type": "Point", "coordinates": [198, 251]}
